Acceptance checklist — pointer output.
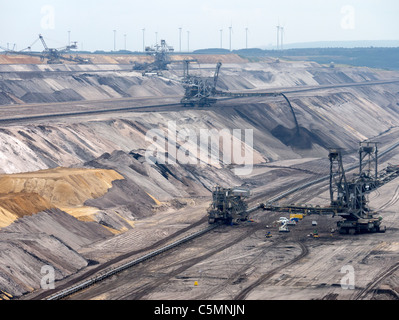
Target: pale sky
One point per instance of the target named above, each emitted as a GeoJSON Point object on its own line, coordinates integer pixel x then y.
{"type": "Point", "coordinates": [91, 22]}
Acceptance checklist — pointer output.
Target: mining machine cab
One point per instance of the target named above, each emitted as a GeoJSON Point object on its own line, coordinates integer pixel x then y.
{"type": "Point", "coordinates": [228, 205]}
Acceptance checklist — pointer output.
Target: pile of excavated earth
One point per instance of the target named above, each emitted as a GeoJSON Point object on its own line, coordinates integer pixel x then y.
{"type": "Point", "coordinates": [76, 192]}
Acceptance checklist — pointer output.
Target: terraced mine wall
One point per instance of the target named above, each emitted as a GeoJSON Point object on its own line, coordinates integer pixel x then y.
{"type": "Point", "coordinates": [33, 84]}
{"type": "Point", "coordinates": [67, 183]}
{"type": "Point", "coordinates": [113, 77]}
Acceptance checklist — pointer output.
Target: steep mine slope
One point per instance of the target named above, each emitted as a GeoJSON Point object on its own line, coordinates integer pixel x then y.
{"type": "Point", "coordinates": [332, 117]}
{"type": "Point", "coordinates": [64, 188]}
{"type": "Point", "coordinates": [109, 77]}
{"type": "Point", "coordinates": [36, 232]}
{"type": "Point", "coordinates": [109, 184]}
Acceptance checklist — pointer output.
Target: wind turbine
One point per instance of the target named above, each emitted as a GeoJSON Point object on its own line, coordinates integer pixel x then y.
{"type": "Point", "coordinates": [231, 31]}
{"type": "Point", "coordinates": [246, 38]}
{"type": "Point", "coordinates": [180, 28]}
{"type": "Point", "coordinates": [282, 37]}
{"type": "Point", "coordinates": [278, 36]}
{"type": "Point", "coordinates": [143, 39]}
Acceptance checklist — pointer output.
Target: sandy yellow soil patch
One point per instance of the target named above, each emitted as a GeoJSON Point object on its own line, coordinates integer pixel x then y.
{"type": "Point", "coordinates": [157, 202]}
{"type": "Point", "coordinates": [64, 188]}
{"type": "Point", "coordinates": [82, 213]}
{"type": "Point", "coordinates": [17, 205]}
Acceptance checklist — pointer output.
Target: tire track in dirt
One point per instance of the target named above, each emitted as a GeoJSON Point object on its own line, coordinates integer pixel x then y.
{"type": "Point", "coordinates": [385, 274]}
{"type": "Point", "coordinates": [236, 275]}
{"type": "Point", "coordinates": [392, 201]}
{"type": "Point", "coordinates": [107, 264]}
{"type": "Point", "coordinates": [151, 286]}
{"type": "Point", "coordinates": [244, 293]}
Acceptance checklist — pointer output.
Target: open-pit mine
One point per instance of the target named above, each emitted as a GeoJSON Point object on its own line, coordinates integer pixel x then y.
{"type": "Point", "coordinates": [120, 183]}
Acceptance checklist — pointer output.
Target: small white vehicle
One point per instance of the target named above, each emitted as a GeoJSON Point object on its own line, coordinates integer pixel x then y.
{"type": "Point", "coordinates": [284, 228]}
